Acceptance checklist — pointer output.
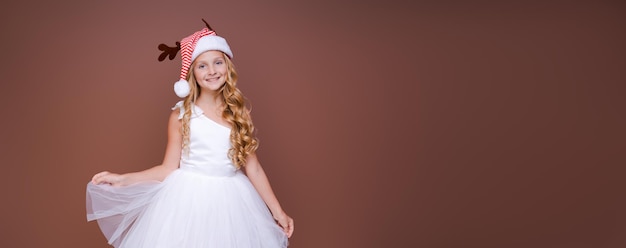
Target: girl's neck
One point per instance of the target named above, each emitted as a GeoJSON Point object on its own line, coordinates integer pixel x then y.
{"type": "Point", "coordinates": [211, 100]}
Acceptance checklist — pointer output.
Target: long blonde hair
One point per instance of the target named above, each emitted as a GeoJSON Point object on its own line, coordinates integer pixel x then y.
{"type": "Point", "coordinates": [242, 138]}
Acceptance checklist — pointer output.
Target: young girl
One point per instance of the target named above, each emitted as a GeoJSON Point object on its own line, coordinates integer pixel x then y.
{"type": "Point", "coordinates": [210, 190]}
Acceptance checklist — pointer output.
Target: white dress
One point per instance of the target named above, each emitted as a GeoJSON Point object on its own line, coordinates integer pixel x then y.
{"type": "Point", "coordinates": [206, 202]}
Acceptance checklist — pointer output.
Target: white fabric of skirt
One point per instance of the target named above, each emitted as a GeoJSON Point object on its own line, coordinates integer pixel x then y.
{"type": "Point", "coordinates": [188, 209]}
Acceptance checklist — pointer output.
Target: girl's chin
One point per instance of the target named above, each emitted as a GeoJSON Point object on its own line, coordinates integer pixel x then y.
{"type": "Point", "coordinates": [211, 86]}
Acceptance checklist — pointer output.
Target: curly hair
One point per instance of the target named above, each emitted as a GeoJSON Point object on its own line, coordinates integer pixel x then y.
{"type": "Point", "coordinates": [234, 111]}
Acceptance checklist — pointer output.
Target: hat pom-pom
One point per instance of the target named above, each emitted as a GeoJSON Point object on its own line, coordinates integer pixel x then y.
{"type": "Point", "coordinates": [181, 88]}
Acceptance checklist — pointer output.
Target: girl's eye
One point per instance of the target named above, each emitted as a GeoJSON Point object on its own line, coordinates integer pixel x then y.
{"type": "Point", "coordinates": [200, 66]}
{"type": "Point", "coordinates": [219, 62]}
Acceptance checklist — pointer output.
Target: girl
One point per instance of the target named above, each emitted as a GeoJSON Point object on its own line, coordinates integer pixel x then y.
{"type": "Point", "coordinates": [211, 190]}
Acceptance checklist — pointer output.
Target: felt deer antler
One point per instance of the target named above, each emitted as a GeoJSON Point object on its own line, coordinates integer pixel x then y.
{"type": "Point", "coordinates": [207, 25]}
{"type": "Point", "coordinates": [172, 51]}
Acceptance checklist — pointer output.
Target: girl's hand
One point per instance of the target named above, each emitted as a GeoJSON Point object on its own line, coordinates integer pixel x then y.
{"type": "Point", "coordinates": [106, 177]}
{"type": "Point", "coordinates": [285, 222]}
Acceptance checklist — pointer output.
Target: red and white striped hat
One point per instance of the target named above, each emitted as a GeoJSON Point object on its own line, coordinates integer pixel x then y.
{"type": "Point", "coordinates": [190, 48]}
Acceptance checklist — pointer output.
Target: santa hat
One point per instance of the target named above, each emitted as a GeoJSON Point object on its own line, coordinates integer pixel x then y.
{"type": "Point", "coordinates": [190, 48]}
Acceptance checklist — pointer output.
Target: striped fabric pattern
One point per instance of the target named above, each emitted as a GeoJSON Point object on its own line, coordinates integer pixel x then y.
{"type": "Point", "coordinates": [187, 46]}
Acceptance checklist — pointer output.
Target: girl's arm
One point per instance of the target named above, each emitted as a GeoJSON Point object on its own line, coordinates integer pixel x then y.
{"type": "Point", "coordinates": [170, 161]}
{"type": "Point", "coordinates": [257, 176]}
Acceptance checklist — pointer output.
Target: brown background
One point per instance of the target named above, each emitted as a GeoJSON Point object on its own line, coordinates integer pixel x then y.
{"type": "Point", "coordinates": [382, 123]}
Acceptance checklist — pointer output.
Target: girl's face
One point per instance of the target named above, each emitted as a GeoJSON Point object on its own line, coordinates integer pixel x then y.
{"type": "Point", "coordinates": [210, 70]}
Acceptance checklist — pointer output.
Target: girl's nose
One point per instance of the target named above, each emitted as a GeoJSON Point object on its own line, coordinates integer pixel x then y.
{"type": "Point", "coordinates": [211, 70]}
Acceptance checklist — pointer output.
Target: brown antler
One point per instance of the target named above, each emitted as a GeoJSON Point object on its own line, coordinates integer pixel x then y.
{"type": "Point", "coordinates": [171, 51]}
{"type": "Point", "coordinates": [207, 25]}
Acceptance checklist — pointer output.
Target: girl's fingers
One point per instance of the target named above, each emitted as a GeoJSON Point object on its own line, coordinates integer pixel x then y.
{"type": "Point", "coordinates": [287, 225]}
{"type": "Point", "coordinates": [97, 178]}
{"type": "Point", "coordinates": [290, 228]}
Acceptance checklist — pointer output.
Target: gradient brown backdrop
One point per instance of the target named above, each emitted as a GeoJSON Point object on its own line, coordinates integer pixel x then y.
{"type": "Point", "coordinates": [382, 123]}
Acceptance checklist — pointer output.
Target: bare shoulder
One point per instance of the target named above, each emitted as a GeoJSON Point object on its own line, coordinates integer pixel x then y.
{"type": "Point", "coordinates": [175, 113]}
{"type": "Point", "coordinates": [174, 117]}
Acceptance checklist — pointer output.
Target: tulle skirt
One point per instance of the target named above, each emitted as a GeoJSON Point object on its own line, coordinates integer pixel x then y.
{"type": "Point", "coordinates": [188, 209]}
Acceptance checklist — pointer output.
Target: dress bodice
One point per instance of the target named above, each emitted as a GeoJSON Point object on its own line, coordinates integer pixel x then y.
{"type": "Point", "coordinates": [209, 143]}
